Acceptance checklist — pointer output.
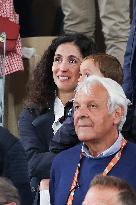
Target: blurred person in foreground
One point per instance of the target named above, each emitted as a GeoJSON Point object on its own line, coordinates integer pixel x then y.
{"type": "Point", "coordinates": [8, 193]}
{"type": "Point", "coordinates": [109, 190]}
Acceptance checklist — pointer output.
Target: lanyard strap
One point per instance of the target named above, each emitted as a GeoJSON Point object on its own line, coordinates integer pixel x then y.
{"type": "Point", "coordinates": [109, 167]}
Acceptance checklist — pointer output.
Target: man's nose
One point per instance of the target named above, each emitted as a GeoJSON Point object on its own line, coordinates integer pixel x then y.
{"type": "Point", "coordinates": [82, 112]}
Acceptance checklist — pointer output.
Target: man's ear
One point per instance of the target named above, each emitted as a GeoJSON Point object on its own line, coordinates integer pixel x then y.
{"type": "Point", "coordinates": [118, 114]}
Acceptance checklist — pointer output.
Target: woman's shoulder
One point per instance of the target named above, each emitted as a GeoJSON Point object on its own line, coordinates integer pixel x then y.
{"type": "Point", "coordinates": [32, 115]}
{"type": "Point", "coordinates": [30, 111]}
{"type": "Point", "coordinates": [27, 116]}
{"type": "Point", "coordinates": [37, 110]}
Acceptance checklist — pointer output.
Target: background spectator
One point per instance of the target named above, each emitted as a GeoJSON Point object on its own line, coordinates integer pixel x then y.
{"type": "Point", "coordinates": [115, 19]}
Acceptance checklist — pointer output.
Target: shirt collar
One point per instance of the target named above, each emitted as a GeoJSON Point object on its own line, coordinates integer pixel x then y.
{"type": "Point", "coordinates": [112, 150]}
{"type": "Point", "coordinates": [58, 109]}
{"type": "Point", "coordinates": [58, 113]}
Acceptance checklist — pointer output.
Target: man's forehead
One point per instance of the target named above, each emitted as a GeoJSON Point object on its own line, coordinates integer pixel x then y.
{"type": "Point", "coordinates": [95, 92]}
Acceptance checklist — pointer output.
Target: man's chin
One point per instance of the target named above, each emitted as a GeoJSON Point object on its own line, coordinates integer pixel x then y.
{"type": "Point", "coordinates": [83, 137]}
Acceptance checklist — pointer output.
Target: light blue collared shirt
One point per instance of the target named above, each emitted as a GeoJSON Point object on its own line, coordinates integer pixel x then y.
{"type": "Point", "coordinates": [111, 150]}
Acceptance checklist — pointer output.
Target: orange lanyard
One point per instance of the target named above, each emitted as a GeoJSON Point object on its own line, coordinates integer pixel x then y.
{"type": "Point", "coordinates": [111, 164]}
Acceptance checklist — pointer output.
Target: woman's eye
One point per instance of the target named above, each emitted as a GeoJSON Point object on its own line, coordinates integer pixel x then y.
{"type": "Point", "coordinates": [57, 59]}
{"type": "Point", "coordinates": [73, 61]}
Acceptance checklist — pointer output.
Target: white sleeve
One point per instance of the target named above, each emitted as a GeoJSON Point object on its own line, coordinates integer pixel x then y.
{"type": "Point", "coordinates": [44, 197]}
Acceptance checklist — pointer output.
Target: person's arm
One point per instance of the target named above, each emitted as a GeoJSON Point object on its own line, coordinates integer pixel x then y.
{"type": "Point", "coordinates": [44, 192]}
{"type": "Point", "coordinates": [39, 161]}
{"type": "Point", "coordinates": [128, 58]}
{"type": "Point", "coordinates": [65, 137]}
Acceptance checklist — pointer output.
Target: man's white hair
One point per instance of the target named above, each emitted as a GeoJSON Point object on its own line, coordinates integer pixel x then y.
{"type": "Point", "coordinates": [116, 95]}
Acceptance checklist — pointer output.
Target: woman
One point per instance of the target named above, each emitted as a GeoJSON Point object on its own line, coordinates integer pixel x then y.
{"type": "Point", "coordinates": [50, 94]}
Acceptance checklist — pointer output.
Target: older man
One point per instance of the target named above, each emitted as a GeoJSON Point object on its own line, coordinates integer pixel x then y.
{"type": "Point", "coordinates": [100, 111]}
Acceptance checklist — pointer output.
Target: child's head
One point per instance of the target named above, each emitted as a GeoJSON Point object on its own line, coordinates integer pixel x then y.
{"type": "Point", "coordinates": [102, 65]}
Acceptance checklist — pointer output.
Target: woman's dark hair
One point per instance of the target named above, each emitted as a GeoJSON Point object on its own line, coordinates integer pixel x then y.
{"type": "Point", "coordinates": [41, 88]}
